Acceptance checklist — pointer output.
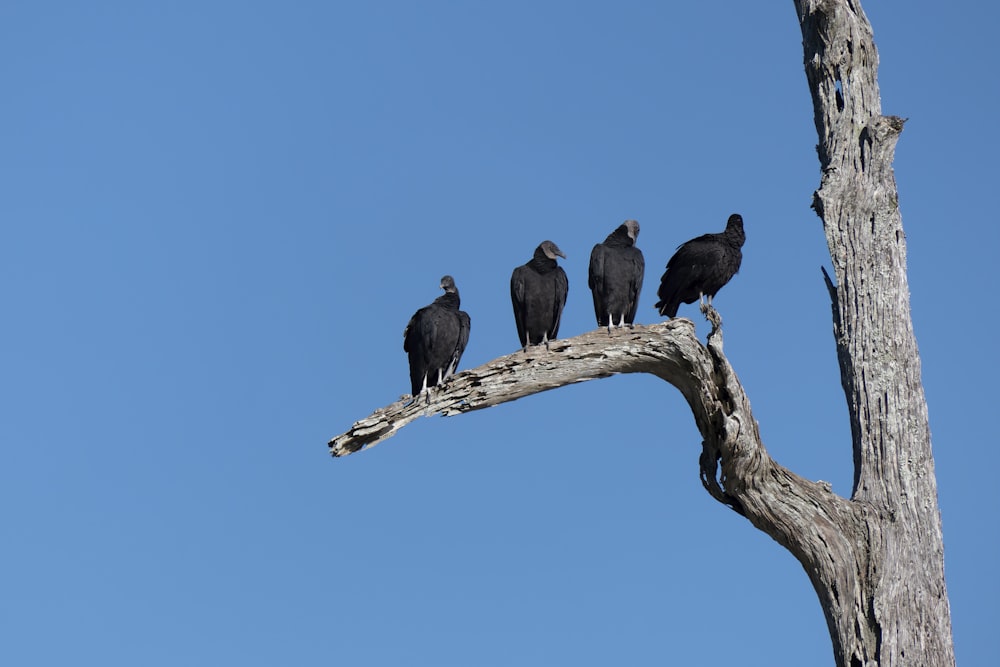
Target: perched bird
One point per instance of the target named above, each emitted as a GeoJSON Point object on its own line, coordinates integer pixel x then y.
{"type": "Point", "coordinates": [701, 267]}
{"type": "Point", "coordinates": [538, 293]}
{"type": "Point", "coordinates": [616, 270]}
{"type": "Point", "coordinates": [435, 339]}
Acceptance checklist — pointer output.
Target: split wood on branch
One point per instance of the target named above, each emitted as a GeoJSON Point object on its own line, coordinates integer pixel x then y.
{"type": "Point", "coordinates": [669, 350]}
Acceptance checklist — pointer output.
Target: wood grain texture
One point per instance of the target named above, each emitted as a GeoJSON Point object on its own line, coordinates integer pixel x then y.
{"type": "Point", "coordinates": [668, 349]}
{"type": "Point", "coordinates": [902, 615]}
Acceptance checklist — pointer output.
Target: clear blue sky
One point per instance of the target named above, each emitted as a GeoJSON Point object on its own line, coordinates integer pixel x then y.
{"type": "Point", "coordinates": [217, 218]}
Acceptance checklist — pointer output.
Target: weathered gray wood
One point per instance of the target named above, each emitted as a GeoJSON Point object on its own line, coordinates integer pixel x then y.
{"type": "Point", "coordinates": [876, 559]}
{"type": "Point", "coordinates": [902, 614]}
{"type": "Point", "coordinates": [818, 526]}
{"type": "Point", "coordinates": [736, 468]}
{"type": "Point", "coordinates": [569, 360]}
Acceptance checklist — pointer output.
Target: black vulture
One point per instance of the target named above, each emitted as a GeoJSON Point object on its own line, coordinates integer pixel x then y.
{"type": "Point", "coordinates": [616, 269]}
{"type": "Point", "coordinates": [538, 293]}
{"type": "Point", "coordinates": [435, 338]}
{"type": "Point", "coordinates": [701, 267]}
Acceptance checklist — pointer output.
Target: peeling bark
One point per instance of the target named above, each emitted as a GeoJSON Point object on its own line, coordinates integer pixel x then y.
{"type": "Point", "coordinates": [876, 559]}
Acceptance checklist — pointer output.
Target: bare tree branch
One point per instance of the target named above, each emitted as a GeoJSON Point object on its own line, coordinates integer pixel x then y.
{"type": "Point", "coordinates": [815, 524]}
{"type": "Point", "coordinates": [735, 467]}
{"type": "Point", "coordinates": [664, 349]}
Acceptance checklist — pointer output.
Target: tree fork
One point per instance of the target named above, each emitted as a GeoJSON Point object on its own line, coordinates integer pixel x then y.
{"type": "Point", "coordinates": [876, 559]}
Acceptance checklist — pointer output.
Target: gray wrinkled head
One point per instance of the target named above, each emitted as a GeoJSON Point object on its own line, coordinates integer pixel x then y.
{"type": "Point", "coordinates": [633, 229]}
{"type": "Point", "coordinates": [448, 284]}
{"type": "Point", "coordinates": [551, 250]}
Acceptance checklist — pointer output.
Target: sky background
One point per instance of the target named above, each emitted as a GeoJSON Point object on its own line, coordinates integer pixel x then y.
{"type": "Point", "coordinates": [217, 218]}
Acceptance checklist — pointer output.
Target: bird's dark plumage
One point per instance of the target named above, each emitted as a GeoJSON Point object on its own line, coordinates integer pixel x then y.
{"type": "Point", "coordinates": [701, 267]}
{"type": "Point", "coordinates": [615, 279]}
{"type": "Point", "coordinates": [538, 293]}
{"type": "Point", "coordinates": [435, 338]}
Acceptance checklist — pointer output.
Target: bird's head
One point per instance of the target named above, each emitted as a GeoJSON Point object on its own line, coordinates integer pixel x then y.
{"type": "Point", "coordinates": [550, 250]}
{"type": "Point", "coordinates": [632, 229]}
{"type": "Point", "coordinates": [448, 284]}
{"type": "Point", "coordinates": [734, 229]}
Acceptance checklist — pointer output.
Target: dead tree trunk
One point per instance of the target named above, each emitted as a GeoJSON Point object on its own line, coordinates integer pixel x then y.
{"type": "Point", "coordinates": [876, 559]}
{"type": "Point", "coordinates": [904, 603]}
